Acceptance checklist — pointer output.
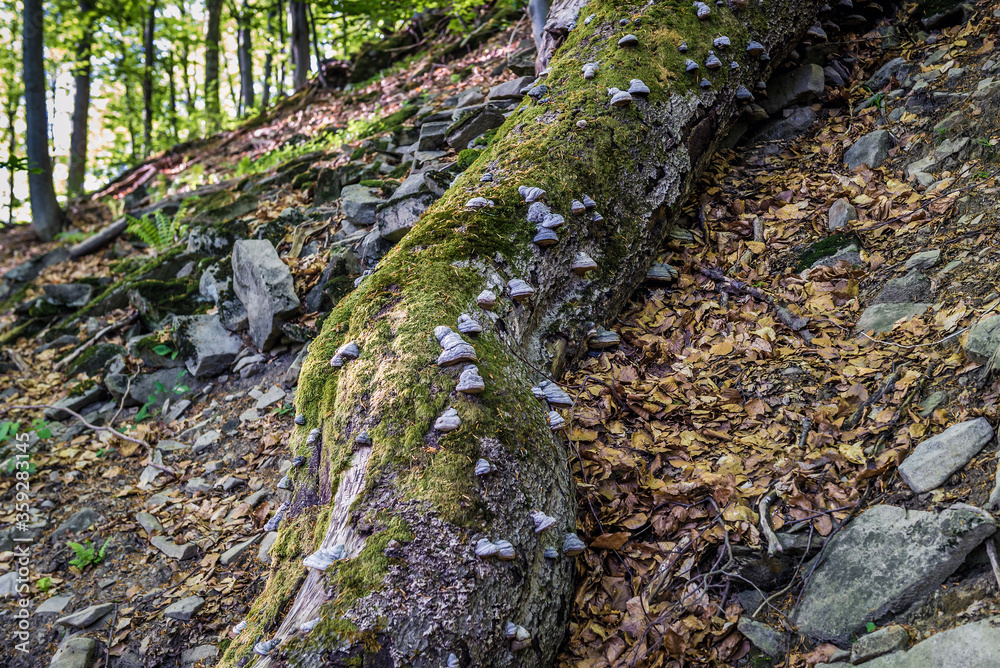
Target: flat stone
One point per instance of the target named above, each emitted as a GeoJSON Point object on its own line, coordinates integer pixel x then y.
{"type": "Point", "coordinates": [235, 553]}
{"type": "Point", "coordinates": [767, 639]}
{"type": "Point", "coordinates": [249, 415]}
{"type": "Point", "coordinates": [53, 606]}
{"type": "Point", "coordinates": [8, 584]}
{"type": "Point", "coordinates": [841, 213]}
{"type": "Point", "coordinates": [173, 550]}
{"type": "Point", "coordinates": [209, 347]}
{"type": "Point", "coordinates": [185, 609]}
{"type": "Point", "coordinates": [264, 552]}
{"type": "Point", "coordinates": [75, 403]}
{"type": "Point", "coordinates": [795, 87]}
{"type": "Point", "coordinates": [473, 125]}
{"type": "Point", "coordinates": [894, 68]}
{"type": "Point", "coordinates": [913, 287]}
{"type": "Point", "coordinates": [68, 295]}
{"type": "Point", "coordinates": [510, 90]}
{"type": "Point", "coordinates": [199, 653]}
{"type": "Point", "coordinates": [264, 285]}
{"type": "Point", "coordinates": [973, 645]}
{"type": "Point", "coordinates": [879, 642]}
{"type": "Point", "coordinates": [883, 561]}
{"type": "Point", "coordinates": [84, 618]}
{"type": "Point", "coordinates": [197, 485]}
{"type": "Point", "coordinates": [933, 461]}
{"type": "Point", "coordinates": [399, 216]}
{"type": "Point", "coordinates": [432, 136]}
{"type": "Point", "coordinates": [269, 398]}
{"type": "Point", "coordinates": [881, 317]}
{"type": "Point", "coordinates": [924, 260]}
{"type": "Point", "coordinates": [76, 652]}
{"type": "Point", "coordinates": [983, 340]}
{"type": "Point", "coordinates": [81, 520]}
{"type": "Point", "coordinates": [148, 522]}
{"type": "Point", "coordinates": [870, 150]}
{"type": "Point", "coordinates": [797, 121]}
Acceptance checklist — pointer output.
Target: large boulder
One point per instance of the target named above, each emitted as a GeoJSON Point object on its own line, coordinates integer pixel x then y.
{"type": "Point", "coordinates": [510, 90]}
{"type": "Point", "coordinates": [264, 285]}
{"type": "Point", "coordinates": [405, 207]}
{"type": "Point", "coordinates": [206, 346]}
{"type": "Point", "coordinates": [882, 562]}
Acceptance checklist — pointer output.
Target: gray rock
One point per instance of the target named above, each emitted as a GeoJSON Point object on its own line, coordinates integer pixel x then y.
{"type": "Point", "coordinates": [185, 609]}
{"type": "Point", "coordinates": [68, 295]}
{"type": "Point", "coordinates": [84, 618]}
{"type": "Point", "coordinates": [883, 561]}
{"type": "Point", "coordinates": [973, 645]}
{"type": "Point", "coordinates": [474, 96]}
{"type": "Point", "coordinates": [269, 398]}
{"type": "Point", "coordinates": [432, 136]}
{"type": "Point", "coordinates": [879, 642]}
{"type": "Point", "coordinates": [173, 550]}
{"type": "Point", "coordinates": [842, 212]}
{"type": "Point", "coordinates": [881, 317]}
{"type": "Point", "coordinates": [264, 552]}
{"type": "Point", "coordinates": [795, 87]}
{"type": "Point", "coordinates": [81, 520]}
{"type": "Point", "coordinates": [983, 340]}
{"type": "Point", "coordinates": [145, 387]}
{"type": "Point", "coordinates": [913, 287]}
{"type": "Point", "coordinates": [796, 123]}
{"type": "Point", "coordinates": [148, 522]}
{"type": "Point", "coordinates": [199, 653]}
{"type": "Point", "coordinates": [360, 205]}
{"type": "Point", "coordinates": [264, 286]}
{"type": "Point", "coordinates": [833, 77]}
{"type": "Point", "coordinates": [871, 150]}
{"type": "Point", "coordinates": [205, 440]}
{"type": "Point", "coordinates": [8, 584]}
{"type": "Point", "coordinates": [510, 90]}
{"type": "Point", "coordinates": [849, 254]}
{"type": "Point", "coordinates": [76, 652]}
{"type": "Point", "coordinates": [235, 553]}
{"type": "Point", "coordinates": [935, 459]}
{"type": "Point", "coordinates": [924, 260]}
{"type": "Point", "coordinates": [53, 606]}
{"type": "Point", "coordinates": [208, 348]}
{"type": "Point", "coordinates": [473, 125]}
{"type": "Point", "coordinates": [197, 486]}
{"type": "Point", "coordinates": [897, 67]}
{"type": "Point", "coordinates": [604, 339]}
{"type": "Point", "coordinates": [399, 217]}
{"type": "Point", "coordinates": [767, 639]}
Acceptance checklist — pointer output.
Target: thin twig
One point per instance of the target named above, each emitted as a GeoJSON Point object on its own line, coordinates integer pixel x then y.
{"type": "Point", "coordinates": [94, 427]}
{"type": "Point", "coordinates": [73, 355]}
{"type": "Point", "coordinates": [991, 550]}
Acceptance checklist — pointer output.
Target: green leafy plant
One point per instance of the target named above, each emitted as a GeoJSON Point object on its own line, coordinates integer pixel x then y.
{"type": "Point", "coordinates": [44, 584]}
{"type": "Point", "coordinates": [86, 555]}
{"type": "Point", "coordinates": [284, 410]}
{"type": "Point", "coordinates": [158, 232]}
{"type": "Point", "coordinates": [870, 626]}
{"type": "Point", "coordinates": [159, 392]}
{"type": "Point", "coordinates": [163, 350]}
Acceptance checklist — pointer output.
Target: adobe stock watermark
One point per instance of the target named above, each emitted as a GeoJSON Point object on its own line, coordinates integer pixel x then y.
{"type": "Point", "coordinates": [22, 540]}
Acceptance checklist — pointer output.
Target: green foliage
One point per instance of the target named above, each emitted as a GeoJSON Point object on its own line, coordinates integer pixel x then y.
{"type": "Point", "coordinates": [86, 555]}
{"type": "Point", "coordinates": [43, 584]}
{"type": "Point", "coordinates": [160, 392]}
{"type": "Point", "coordinates": [163, 350]}
{"type": "Point", "coordinates": [870, 626]}
{"type": "Point", "coordinates": [160, 232]}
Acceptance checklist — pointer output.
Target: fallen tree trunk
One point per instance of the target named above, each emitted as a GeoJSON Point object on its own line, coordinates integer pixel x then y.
{"type": "Point", "coordinates": [399, 499]}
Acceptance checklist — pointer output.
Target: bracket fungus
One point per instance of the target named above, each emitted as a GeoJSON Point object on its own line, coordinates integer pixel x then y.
{"type": "Point", "coordinates": [448, 421]}
{"type": "Point", "coordinates": [470, 382]}
{"type": "Point", "coordinates": [583, 263]}
{"type": "Point", "coordinates": [468, 325]}
{"type": "Point", "coordinates": [455, 349]}
{"type": "Point", "coordinates": [542, 521]}
{"type": "Point", "coordinates": [486, 300]}
{"type": "Point", "coordinates": [348, 351]}
{"type": "Point", "coordinates": [637, 87]}
{"type": "Point", "coordinates": [556, 421]}
{"type": "Point", "coordinates": [572, 545]}
{"type": "Point", "coordinates": [325, 557]}
{"type": "Point", "coordinates": [519, 291]}
{"type": "Point", "coordinates": [629, 40]}
{"type": "Point", "coordinates": [483, 467]}
{"type": "Point", "coordinates": [713, 62]}
{"type": "Point", "coordinates": [531, 193]}
{"type": "Point", "coordinates": [479, 203]}
{"type": "Point", "coordinates": [545, 237]}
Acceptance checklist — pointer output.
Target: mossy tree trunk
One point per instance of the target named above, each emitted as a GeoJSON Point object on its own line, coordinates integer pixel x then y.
{"type": "Point", "coordinates": [408, 508]}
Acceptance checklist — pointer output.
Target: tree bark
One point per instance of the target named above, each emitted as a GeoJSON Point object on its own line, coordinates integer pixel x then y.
{"type": "Point", "coordinates": [404, 504]}
{"type": "Point", "coordinates": [299, 41]}
{"type": "Point", "coordinates": [149, 62]}
{"type": "Point", "coordinates": [81, 104]}
{"type": "Point", "coordinates": [246, 59]}
{"type": "Point", "coordinates": [212, 37]}
{"type": "Point", "coordinates": [46, 216]}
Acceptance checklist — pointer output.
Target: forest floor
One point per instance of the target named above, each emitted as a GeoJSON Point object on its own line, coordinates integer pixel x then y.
{"type": "Point", "coordinates": [710, 404]}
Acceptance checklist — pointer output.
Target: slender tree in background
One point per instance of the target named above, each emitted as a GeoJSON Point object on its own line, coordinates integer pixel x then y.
{"type": "Point", "coordinates": [81, 102]}
{"type": "Point", "coordinates": [300, 41]}
{"type": "Point", "coordinates": [245, 55]}
{"type": "Point", "coordinates": [212, 38]}
{"type": "Point", "coordinates": [149, 62]}
{"type": "Point", "coordinates": [265, 94]}
{"type": "Point", "coordinates": [46, 216]}
{"type": "Point", "coordinates": [13, 90]}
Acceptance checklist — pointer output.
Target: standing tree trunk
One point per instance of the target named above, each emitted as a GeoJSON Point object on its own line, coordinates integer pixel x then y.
{"type": "Point", "coordinates": [398, 499]}
{"type": "Point", "coordinates": [265, 94]}
{"type": "Point", "coordinates": [212, 38]}
{"type": "Point", "coordinates": [300, 41]}
{"type": "Point", "coordinates": [149, 58]}
{"type": "Point", "coordinates": [46, 216]}
{"type": "Point", "coordinates": [81, 104]}
{"type": "Point", "coordinates": [246, 59]}
{"type": "Point", "coordinates": [172, 90]}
